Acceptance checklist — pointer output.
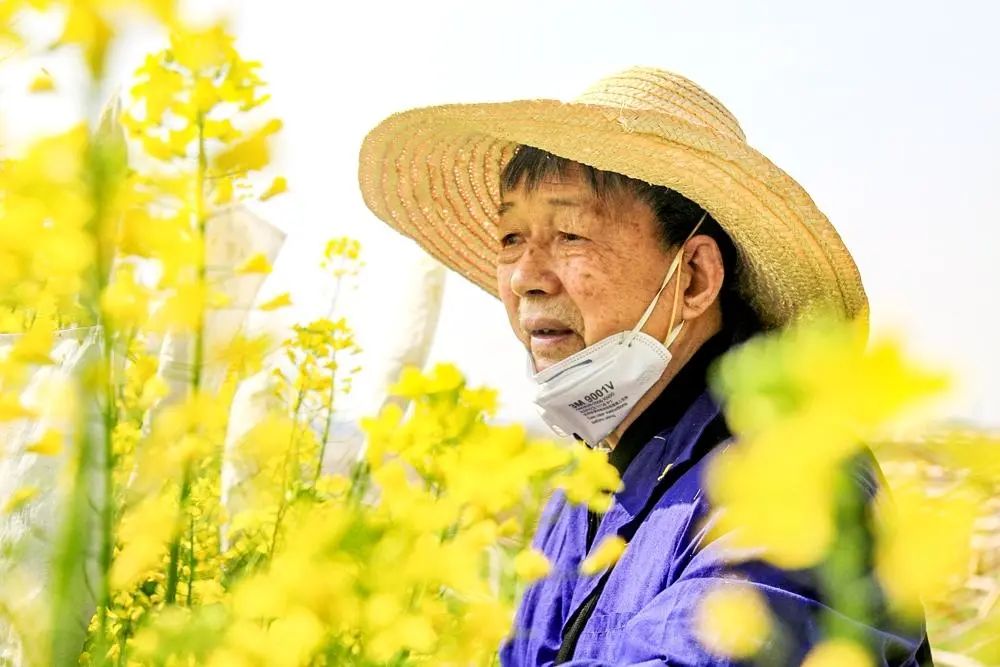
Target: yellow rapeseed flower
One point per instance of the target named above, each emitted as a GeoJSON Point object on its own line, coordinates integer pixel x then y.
{"type": "Point", "coordinates": [86, 26]}
{"type": "Point", "coordinates": [733, 620]}
{"type": "Point", "coordinates": [144, 532]}
{"type": "Point", "coordinates": [531, 565]}
{"type": "Point", "coordinates": [124, 301]}
{"type": "Point", "coordinates": [282, 300]}
{"type": "Point", "coordinates": [278, 185]}
{"type": "Point", "coordinates": [413, 382]}
{"type": "Point", "coordinates": [416, 633]}
{"type": "Point", "coordinates": [244, 355]}
{"type": "Point", "coordinates": [35, 345]}
{"type": "Point", "coordinates": [202, 49]}
{"type": "Point", "coordinates": [342, 247]}
{"type": "Point", "coordinates": [937, 526]}
{"type": "Point", "coordinates": [293, 638]}
{"type": "Point", "coordinates": [591, 480]}
{"type": "Point", "coordinates": [251, 153]}
{"type": "Point", "coordinates": [18, 498]}
{"type": "Point", "coordinates": [49, 444]}
{"type": "Point", "coordinates": [42, 83]}
{"type": "Point", "coordinates": [838, 653]}
{"type": "Point", "coordinates": [801, 403]}
{"type": "Point", "coordinates": [256, 263]}
{"type": "Point", "coordinates": [11, 407]}
{"type": "Point", "coordinates": [382, 434]}
{"type": "Point", "coordinates": [153, 390]}
{"type": "Point", "coordinates": [765, 505]}
{"type": "Point", "coordinates": [603, 555]}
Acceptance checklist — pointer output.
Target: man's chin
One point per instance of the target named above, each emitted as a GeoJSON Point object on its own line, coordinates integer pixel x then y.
{"type": "Point", "coordinates": [548, 351]}
{"type": "Point", "coordinates": [543, 362]}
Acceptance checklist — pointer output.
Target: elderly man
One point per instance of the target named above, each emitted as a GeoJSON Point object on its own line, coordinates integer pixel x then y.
{"type": "Point", "coordinates": [633, 237]}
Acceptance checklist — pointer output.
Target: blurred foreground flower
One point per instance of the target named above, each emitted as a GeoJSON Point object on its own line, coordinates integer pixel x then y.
{"type": "Point", "coordinates": [733, 621]}
{"type": "Point", "coordinates": [803, 403]}
{"type": "Point", "coordinates": [794, 489]}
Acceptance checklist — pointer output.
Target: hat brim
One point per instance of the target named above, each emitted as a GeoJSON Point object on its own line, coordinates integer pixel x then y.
{"type": "Point", "coordinates": [434, 175]}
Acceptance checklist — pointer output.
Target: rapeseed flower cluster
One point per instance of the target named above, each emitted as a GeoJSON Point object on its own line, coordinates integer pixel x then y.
{"type": "Point", "coordinates": [807, 405]}
{"type": "Point", "coordinates": [415, 552]}
{"type": "Point", "coordinates": [806, 401]}
{"type": "Point", "coordinates": [177, 544]}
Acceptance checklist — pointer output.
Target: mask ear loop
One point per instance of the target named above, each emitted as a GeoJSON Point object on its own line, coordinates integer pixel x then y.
{"type": "Point", "coordinates": [674, 266]}
{"type": "Point", "coordinates": [671, 332]}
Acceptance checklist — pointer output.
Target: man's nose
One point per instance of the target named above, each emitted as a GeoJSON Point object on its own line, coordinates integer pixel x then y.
{"type": "Point", "coordinates": [533, 274]}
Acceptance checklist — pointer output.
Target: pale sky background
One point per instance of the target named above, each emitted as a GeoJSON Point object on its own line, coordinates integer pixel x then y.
{"type": "Point", "coordinates": [888, 113]}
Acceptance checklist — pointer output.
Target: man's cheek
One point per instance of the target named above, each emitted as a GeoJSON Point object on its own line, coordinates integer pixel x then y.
{"type": "Point", "coordinates": [585, 286]}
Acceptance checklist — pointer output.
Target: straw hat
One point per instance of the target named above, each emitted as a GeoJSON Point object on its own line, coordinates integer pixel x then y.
{"type": "Point", "coordinates": [433, 174]}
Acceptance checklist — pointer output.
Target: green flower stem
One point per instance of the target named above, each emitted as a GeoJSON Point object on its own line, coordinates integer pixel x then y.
{"type": "Point", "coordinates": [104, 165]}
{"type": "Point", "coordinates": [175, 545]}
{"type": "Point", "coordinates": [328, 423]}
{"type": "Point", "coordinates": [846, 573]}
{"type": "Point", "coordinates": [173, 566]}
{"type": "Point", "coordinates": [202, 218]}
{"type": "Point", "coordinates": [192, 561]}
{"type": "Point", "coordinates": [292, 445]}
{"type": "Point", "coordinates": [68, 588]}
{"type": "Point", "coordinates": [333, 390]}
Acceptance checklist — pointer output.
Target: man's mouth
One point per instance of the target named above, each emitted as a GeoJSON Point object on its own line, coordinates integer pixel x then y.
{"type": "Point", "coordinates": [551, 343]}
{"type": "Point", "coordinates": [548, 334]}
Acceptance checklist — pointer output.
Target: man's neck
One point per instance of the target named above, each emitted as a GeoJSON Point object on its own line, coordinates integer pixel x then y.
{"type": "Point", "coordinates": [684, 349]}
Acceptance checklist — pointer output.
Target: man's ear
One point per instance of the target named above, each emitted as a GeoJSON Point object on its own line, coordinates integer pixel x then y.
{"type": "Point", "coordinates": [704, 273]}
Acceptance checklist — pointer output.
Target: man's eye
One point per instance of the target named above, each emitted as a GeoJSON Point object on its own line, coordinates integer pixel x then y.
{"type": "Point", "coordinates": [567, 236]}
{"type": "Point", "coordinates": [509, 240]}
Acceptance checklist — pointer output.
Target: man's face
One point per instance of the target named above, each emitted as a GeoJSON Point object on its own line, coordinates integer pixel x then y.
{"type": "Point", "coordinates": [573, 270]}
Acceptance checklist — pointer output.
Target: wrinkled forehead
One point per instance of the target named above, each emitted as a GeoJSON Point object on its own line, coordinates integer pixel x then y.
{"type": "Point", "coordinates": [528, 177]}
{"type": "Point", "coordinates": [530, 167]}
{"type": "Point", "coordinates": [570, 185]}
{"type": "Point", "coordinates": [554, 195]}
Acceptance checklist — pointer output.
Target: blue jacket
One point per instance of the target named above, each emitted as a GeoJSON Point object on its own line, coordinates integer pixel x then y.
{"type": "Point", "coordinates": [643, 612]}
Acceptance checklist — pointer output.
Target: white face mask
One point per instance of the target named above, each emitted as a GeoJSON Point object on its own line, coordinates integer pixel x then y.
{"type": "Point", "coordinates": [591, 392]}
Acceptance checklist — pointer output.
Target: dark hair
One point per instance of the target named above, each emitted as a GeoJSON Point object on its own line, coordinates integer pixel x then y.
{"type": "Point", "coordinates": [676, 214]}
